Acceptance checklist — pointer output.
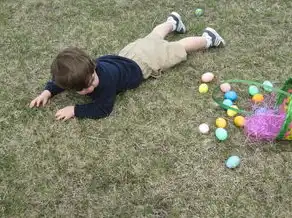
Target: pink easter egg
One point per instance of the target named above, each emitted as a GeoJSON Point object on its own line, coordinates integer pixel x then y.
{"type": "Point", "coordinates": [207, 77]}
{"type": "Point", "coordinates": [225, 87]}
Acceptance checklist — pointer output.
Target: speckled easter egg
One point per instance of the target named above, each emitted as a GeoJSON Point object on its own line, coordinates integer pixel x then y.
{"type": "Point", "coordinates": [199, 12]}
{"type": "Point", "coordinates": [225, 87]}
{"type": "Point", "coordinates": [207, 77]}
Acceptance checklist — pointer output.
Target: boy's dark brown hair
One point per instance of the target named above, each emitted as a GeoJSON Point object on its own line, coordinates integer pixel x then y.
{"type": "Point", "coordinates": [72, 69]}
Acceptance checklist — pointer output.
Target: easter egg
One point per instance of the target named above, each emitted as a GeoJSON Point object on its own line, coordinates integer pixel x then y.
{"type": "Point", "coordinates": [227, 102]}
{"type": "Point", "coordinates": [232, 162]}
{"type": "Point", "coordinates": [232, 113]}
{"type": "Point", "coordinates": [221, 134]}
{"type": "Point", "coordinates": [225, 87]}
{"type": "Point", "coordinates": [230, 95]}
{"type": "Point", "coordinates": [221, 122]}
{"type": "Point", "coordinates": [261, 110]}
{"type": "Point", "coordinates": [252, 90]}
{"type": "Point", "coordinates": [257, 98]}
{"type": "Point", "coordinates": [199, 12]}
{"type": "Point", "coordinates": [203, 88]}
{"type": "Point", "coordinates": [239, 121]}
{"type": "Point", "coordinates": [204, 128]}
{"type": "Point", "coordinates": [267, 86]}
{"type": "Point", "coordinates": [207, 77]}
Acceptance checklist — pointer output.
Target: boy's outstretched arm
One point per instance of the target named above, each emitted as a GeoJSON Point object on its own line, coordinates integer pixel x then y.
{"type": "Point", "coordinates": [91, 110]}
{"type": "Point", "coordinates": [41, 100]}
{"type": "Point", "coordinates": [51, 89]}
{"type": "Point", "coordinates": [102, 106]}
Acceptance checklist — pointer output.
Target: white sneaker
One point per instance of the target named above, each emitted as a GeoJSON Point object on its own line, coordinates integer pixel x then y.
{"type": "Point", "coordinates": [216, 39]}
{"type": "Point", "coordinates": [180, 27]}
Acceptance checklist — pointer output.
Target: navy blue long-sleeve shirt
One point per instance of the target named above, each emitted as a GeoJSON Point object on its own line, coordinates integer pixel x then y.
{"type": "Point", "coordinates": [116, 74]}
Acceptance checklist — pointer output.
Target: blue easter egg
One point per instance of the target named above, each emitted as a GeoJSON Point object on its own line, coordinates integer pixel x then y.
{"type": "Point", "coordinates": [231, 95]}
{"type": "Point", "coordinates": [232, 162]}
{"type": "Point", "coordinates": [221, 134]}
{"type": "Point", "coordinates": [228, 102]}
{"type": "Point", "coordinates": [261, 110]}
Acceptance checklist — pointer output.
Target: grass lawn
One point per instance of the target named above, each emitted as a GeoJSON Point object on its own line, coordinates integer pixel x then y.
{"type": "Point", "coordinates": [147, 159]}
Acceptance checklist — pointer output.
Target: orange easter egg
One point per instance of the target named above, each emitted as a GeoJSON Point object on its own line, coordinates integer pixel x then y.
{"type": "Point", "coordinates": [257, 98]}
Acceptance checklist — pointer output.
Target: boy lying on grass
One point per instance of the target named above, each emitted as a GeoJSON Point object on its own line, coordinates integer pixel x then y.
{"type": "Point", "coordinates": [102, 79]}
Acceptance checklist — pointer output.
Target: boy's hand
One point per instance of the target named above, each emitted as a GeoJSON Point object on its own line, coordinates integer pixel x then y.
{"type": "Point", "coordinates": [65, 113]}
{"type": "Point", "coordinates": [41, 100]}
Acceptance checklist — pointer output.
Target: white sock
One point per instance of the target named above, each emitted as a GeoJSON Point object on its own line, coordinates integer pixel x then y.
{"type": "Point", "coordinates": [173, 22]}
{"type": "Point", "coordinates": [209, 40]}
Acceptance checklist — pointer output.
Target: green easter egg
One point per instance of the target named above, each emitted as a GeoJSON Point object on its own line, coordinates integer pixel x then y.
{"type": "Point", "coordinates": [199, 12]}
{"type": "Point", "coordinates": [253, 90]}
{"type": "Point", "coordinates": [268, 83]}
{"type": "Point", "coordinates": [221, 134]}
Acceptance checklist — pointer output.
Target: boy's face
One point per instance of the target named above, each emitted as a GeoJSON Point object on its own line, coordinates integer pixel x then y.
{"type": "Point", "coordinates": [92, 85]}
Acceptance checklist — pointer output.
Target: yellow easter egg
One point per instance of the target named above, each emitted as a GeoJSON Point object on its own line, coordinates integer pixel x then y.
{"type": "Point", "coordinates": [221, 122]}
{"type": "Point", "coordinates": [203, 88]}
{"type": "Point", "coordinates": [239, 121]}
{"type": "Point", "coordinates": [232, 113]}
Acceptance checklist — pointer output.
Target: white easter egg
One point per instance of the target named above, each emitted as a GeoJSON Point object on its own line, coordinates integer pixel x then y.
{"type": "Point", "coordinates": [204, 128]}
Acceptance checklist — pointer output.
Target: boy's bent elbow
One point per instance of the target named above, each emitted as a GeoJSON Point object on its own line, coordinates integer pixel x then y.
{"type": "Point", "coordinates": [93, 112]}
{"type": "Point", "coordinates": [104, 114]}
{"type": "Point", "coordinates": [107, 112]}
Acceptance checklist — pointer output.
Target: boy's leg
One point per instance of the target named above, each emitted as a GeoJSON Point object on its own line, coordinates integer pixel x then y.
{"type": "Point", "coordinates": [173, 23]}
{"type": "Point", "coordinates": [193, 43]}
{"type": "Point", "coordinates": [176, 52]}
{"type": "Point", "coordinates": [210, 38]}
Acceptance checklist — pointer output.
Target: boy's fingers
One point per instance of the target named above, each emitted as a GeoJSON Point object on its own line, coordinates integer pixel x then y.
{"type": "Point", "coordinates": [65, 118]}
{"type": "Point", "coordinates": [31, 105]}
{"type": "Point", "coordinates": [44, 102]}
{"type": "Point", "coordinates": [38, 103]}
{"type": "Point", "coordinates": [57, 114]}
{"type": "Point", "coordinates": [59, 117]}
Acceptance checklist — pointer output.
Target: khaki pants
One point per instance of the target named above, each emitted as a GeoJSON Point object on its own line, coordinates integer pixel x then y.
{"type": "Point", "coordinates": [154, 54]}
